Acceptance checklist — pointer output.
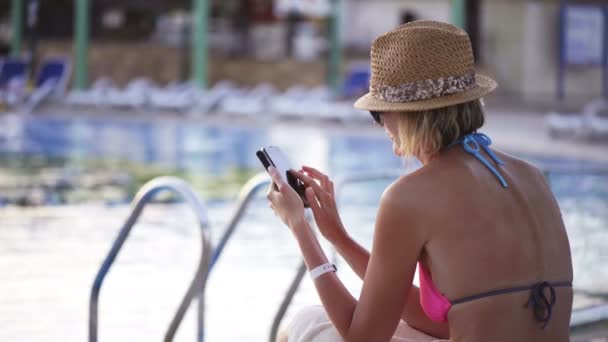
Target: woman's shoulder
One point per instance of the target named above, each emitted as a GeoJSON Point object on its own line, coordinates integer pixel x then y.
{"type": "Point", "coordinates": [521, 168]}
{"type": "Point", "coordinates": [411, 191]}
{"type": "Point", "coordinates": [423, 180]}
{"type": "Point", "coordinates": [402, 205]}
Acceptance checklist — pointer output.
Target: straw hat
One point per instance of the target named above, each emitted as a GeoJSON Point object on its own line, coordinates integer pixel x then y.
{"type": "Point", "coordinates": [423, 65]}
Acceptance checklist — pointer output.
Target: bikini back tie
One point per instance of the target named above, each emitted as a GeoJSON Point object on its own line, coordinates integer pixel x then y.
{"type": "Point", "coordinates": [541, 305]}
{"type": "Point", "coordinates": [473, 143]}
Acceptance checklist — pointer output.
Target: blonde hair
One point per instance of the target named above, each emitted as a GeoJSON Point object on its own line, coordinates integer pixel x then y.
{"type": "Point", "coordinates": [427, 132]}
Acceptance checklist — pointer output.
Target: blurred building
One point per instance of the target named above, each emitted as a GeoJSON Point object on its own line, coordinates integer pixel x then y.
{"type": "Point", "coordinates": [515, 41]}
{"type": "Point", "coordinates": [520, 47]}
{"type": "Point", "coordinates": [363, 20]}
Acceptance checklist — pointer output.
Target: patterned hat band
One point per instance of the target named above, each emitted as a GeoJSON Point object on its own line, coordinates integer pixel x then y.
{"type": "Point", "coordinates": [422, 90]}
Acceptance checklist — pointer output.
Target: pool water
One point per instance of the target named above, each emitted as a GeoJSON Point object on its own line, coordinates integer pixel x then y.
{"type": "Point", "coordinates": [49, 255]}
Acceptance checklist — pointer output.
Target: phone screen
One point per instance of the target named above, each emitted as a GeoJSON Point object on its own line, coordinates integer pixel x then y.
{"type": "Point", "coordinates": [273, 156]}
{"type": "Point", "coordinates": [280, 161]}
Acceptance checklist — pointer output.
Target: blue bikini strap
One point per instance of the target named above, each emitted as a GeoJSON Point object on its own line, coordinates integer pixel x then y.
{"type": "Point", "coordinates": [472, 142]}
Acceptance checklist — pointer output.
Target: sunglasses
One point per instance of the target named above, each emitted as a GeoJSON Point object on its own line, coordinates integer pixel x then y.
{"type": "Point", "coordinates": [377, 117]}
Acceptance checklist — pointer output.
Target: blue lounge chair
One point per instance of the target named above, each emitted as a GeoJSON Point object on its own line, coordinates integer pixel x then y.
{"type": "Point", "coordinates": [357, 81]}
{"type": "Point", "coordinates": [55, 71]}
{"type": "Point", "coordinates": [13, 76]}
{"type": "Point", "coordinates": [11, 69]}
{"type": "Point", "coordinates": [51, 81]}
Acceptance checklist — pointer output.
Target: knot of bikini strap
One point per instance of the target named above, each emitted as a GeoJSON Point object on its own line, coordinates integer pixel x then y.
{"type": "Point", "coordinates": [541, 305]}
{"type": "Point", "coordinates": [473, 143]}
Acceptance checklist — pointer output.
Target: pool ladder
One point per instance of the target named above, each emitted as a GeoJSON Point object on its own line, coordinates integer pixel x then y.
{"type": "Point", "coordinates": [210, 256]}
{"type": "Point", "coordinates": [197, 287]}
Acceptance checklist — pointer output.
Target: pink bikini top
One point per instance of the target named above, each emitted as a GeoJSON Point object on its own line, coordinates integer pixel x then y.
{"type": "Point", "coordinates": [436, 306]}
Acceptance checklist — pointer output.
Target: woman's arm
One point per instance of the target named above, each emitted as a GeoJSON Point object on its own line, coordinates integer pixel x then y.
{"type": "Point", "coordinates": [337, 300]}
{"type": "Point", "coordinates": [328, 220]}
{"type": "Point", "coordinates": [387, 278]}
{"type": "Point", "coordinates": [358, 258]}
{"type": "Point", "coordinates": [356, 255]}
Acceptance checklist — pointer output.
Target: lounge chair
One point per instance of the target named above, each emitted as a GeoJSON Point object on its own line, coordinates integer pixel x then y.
{"type": "Point", "coordinates": [284, 105]}
{"type": "Point", "coordinates": [133, 96]}
{"type": "Point", "coordinates": [55, 71]}
{"type": "Point", "coordinates": [11, 68]}
{"type": "Point", "coordinates": [317, 104]}
{"type": "Point", "coordinates": [590, 124]}
{"type": "Point", "coordinates": [248, 103]}
{"type": "Point", "coordinates": [94, 96]}
{"type": "Point", "coordinates": [596, 120]}
{"type": "Point", "coordinates": [563, 125]}
{"type": "Point", "coordinates": [357, 81]}
{"type": "Point", "coordinates": [208, 101]}
{"type": "Point", "coordinates": [178, 97]}
{"type": "Point", "coordinates": [13, 79]}
{"type": "Point", "coordinates": [51, 82]}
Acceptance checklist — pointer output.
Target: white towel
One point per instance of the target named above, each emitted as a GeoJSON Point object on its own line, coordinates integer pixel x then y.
{"type": "Point", "coordinates": [312, 325]}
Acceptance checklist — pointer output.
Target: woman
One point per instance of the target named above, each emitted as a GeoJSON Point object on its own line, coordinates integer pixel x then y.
{"type": "Point", "coordinates": [484, 227]}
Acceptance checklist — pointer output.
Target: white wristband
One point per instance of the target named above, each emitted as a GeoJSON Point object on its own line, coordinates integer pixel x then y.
{"type": "Point", "coordinates": [322, 269]}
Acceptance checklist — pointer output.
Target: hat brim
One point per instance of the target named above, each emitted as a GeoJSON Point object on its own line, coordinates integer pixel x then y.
{"type": "Point", "coordinates": [483, 85]}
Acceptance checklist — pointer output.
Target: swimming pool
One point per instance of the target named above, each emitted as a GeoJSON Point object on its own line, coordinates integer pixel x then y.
{"type": "Point", "coordinates": [50, 254]}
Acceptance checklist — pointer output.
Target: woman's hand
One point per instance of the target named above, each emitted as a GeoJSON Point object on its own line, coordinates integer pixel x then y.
{"type": "Point", "coordinates": [321, 199]}
{"type": "Point", "coordinates": [284, 200]}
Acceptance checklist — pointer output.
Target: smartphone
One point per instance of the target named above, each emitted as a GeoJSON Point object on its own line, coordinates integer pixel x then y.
{"type": "Point", "coordinates": [274, 156]}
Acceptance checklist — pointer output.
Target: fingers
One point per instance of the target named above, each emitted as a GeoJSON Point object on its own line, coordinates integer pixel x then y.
{"type": "Point", "coordinates": [270, 193]}
{"type": "Point", "coordinates": [321, 196]}
{"type": "Point", "coordinates": [326, 183]}
{"type": "Point", "coordinates": [276, 178]}
{"type": "Point", "coordinates": [312, 200]}
{"type": "Point", "coordinates": [314, 173]}
{"type": "Point", "coordinates": [309, 182]}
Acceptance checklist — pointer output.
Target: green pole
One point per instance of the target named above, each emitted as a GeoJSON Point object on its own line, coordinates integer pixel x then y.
{"type": "Point", "coordinates": [16, 27]}
{"type": "Point", "coordinates": [81, 24]}
{"type": "Point", "coordinates": [199, 42]}
{"type": "Point", "coordinates": [335, 51]}
{"type": "Point", "coordinates": [458, 13]}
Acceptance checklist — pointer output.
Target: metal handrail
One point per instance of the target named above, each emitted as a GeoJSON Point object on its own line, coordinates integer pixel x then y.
{"type": "Point", "coordinates": [142, 198]}
{"type": "Point", "coordinates": [247, 193]}
{"type": "Point", "coordinates": [244, 198]}
{"type": "Point", "coordinates": [291, 292]}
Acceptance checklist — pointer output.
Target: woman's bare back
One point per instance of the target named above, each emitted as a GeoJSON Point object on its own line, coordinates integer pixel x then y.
{"type": "Point", "coordinates": [485, 237]}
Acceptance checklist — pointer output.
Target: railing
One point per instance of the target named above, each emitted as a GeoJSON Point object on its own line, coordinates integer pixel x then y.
{"type": "Point", "coordinates": [247, 193]}
{"type": "Point", "coordinates": [208, 259]}
{"type": "Point", "coordinates": [196, 289]}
